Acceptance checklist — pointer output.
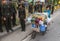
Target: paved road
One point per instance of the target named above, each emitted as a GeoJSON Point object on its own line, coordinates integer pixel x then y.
{"type": "Point", "coordinates": [54, 31]}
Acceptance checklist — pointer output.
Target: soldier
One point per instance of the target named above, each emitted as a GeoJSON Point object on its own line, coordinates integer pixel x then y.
{"type": "Point", "coordinates": [39, 7]}
{"type": "Point", "coordinates": [35, 7]}
{"type": "Point", "coordinates": [26, 4]}
{"type": "Point", "coordinates": [7, 16]}
{"type": "Point", "coordinates": [13, 10]}
{"type": "Point", "coordinates": [19, 0]}
{"type": "Point", "coordinates": [22, 16]}
{"type": "Point", "coordinates": [31, 8]}
{"type": "Point", "coordinates": [1, 30]}
{"type": "Point", "coordinates": [22, 2]}
{"type": "Point", "coordinates": [52, 9]}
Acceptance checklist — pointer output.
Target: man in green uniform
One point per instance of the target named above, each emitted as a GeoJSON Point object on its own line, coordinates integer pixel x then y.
{"type": "Point", "coordinates": [13, 14]}
{"type": "Point", "coordinates": [22, 16]}
{"type": "Point", "coordinates": [6, 9]}
{"type": "Point", "coordinates": [1, 30]}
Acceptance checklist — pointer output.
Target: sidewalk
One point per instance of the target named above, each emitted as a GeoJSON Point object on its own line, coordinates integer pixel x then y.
{"type": "Point", "coordinates": [17, 35]}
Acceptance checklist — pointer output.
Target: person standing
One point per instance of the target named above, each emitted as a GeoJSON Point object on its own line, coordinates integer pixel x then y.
{"type": "Point", "coordinates": [22, 16]}
{"type": "Point", "coordinates": [48, 11]}
{"type": "Point", "coordinates": [52, 9]}
{"type": "Point", "coordinates": [7, 16]}
{"type": "Point", "coordinates": [49, 19]}
{"type": "Point", "coordinates": [23, 4]}
{"type": "Point", "coordinates": [35, 7]}
{"type": "Point", "coordinates": [13, 10]}
{"type": "Point", "coordinates": [26, 4]}
{"type": "Point", "coordinates": [19, 0]}
{"type": "Point", "coordinates": [39, 7]}
{"type": "Point", "coordinates": [1, 30]}
{"type": "Point", "coordinates": [31, 8]}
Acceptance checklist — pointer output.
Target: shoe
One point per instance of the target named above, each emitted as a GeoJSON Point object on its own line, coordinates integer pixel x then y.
{"type": "Point", "coordinates": [23, 30]}
{"type": "Point", "coordinates": [15, 24]}
{"type": "Point", "coordinates": [8, 32]}
{"type": "Point", "coordinates": [12, 30]}
{"type": "Point", "coordinates": [1, 31]}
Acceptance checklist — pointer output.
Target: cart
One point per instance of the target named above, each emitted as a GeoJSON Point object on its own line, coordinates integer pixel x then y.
{"type": "Point", "coordinates": [39, 24]}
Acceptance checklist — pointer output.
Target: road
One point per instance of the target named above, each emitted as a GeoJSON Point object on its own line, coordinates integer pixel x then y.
{"type": "Point", "coordinates": [54, 30]}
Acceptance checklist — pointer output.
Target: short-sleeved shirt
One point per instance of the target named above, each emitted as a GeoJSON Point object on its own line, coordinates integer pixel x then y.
{"type": "Point", "coordinates": [49, 12]}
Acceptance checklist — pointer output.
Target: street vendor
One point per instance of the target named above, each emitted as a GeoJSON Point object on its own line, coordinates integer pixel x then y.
{"type": "Point", "coordinates": [48, 11]}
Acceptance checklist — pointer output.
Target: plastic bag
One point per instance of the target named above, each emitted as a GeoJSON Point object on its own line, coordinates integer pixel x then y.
{"type": "Point", "coordinates": [49, 20]}
{"type": "Point", "coordinates": [29, 19]}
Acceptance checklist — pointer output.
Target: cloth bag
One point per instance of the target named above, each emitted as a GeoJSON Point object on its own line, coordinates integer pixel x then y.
{"type": "Point", "coordinates": [42, 28]}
